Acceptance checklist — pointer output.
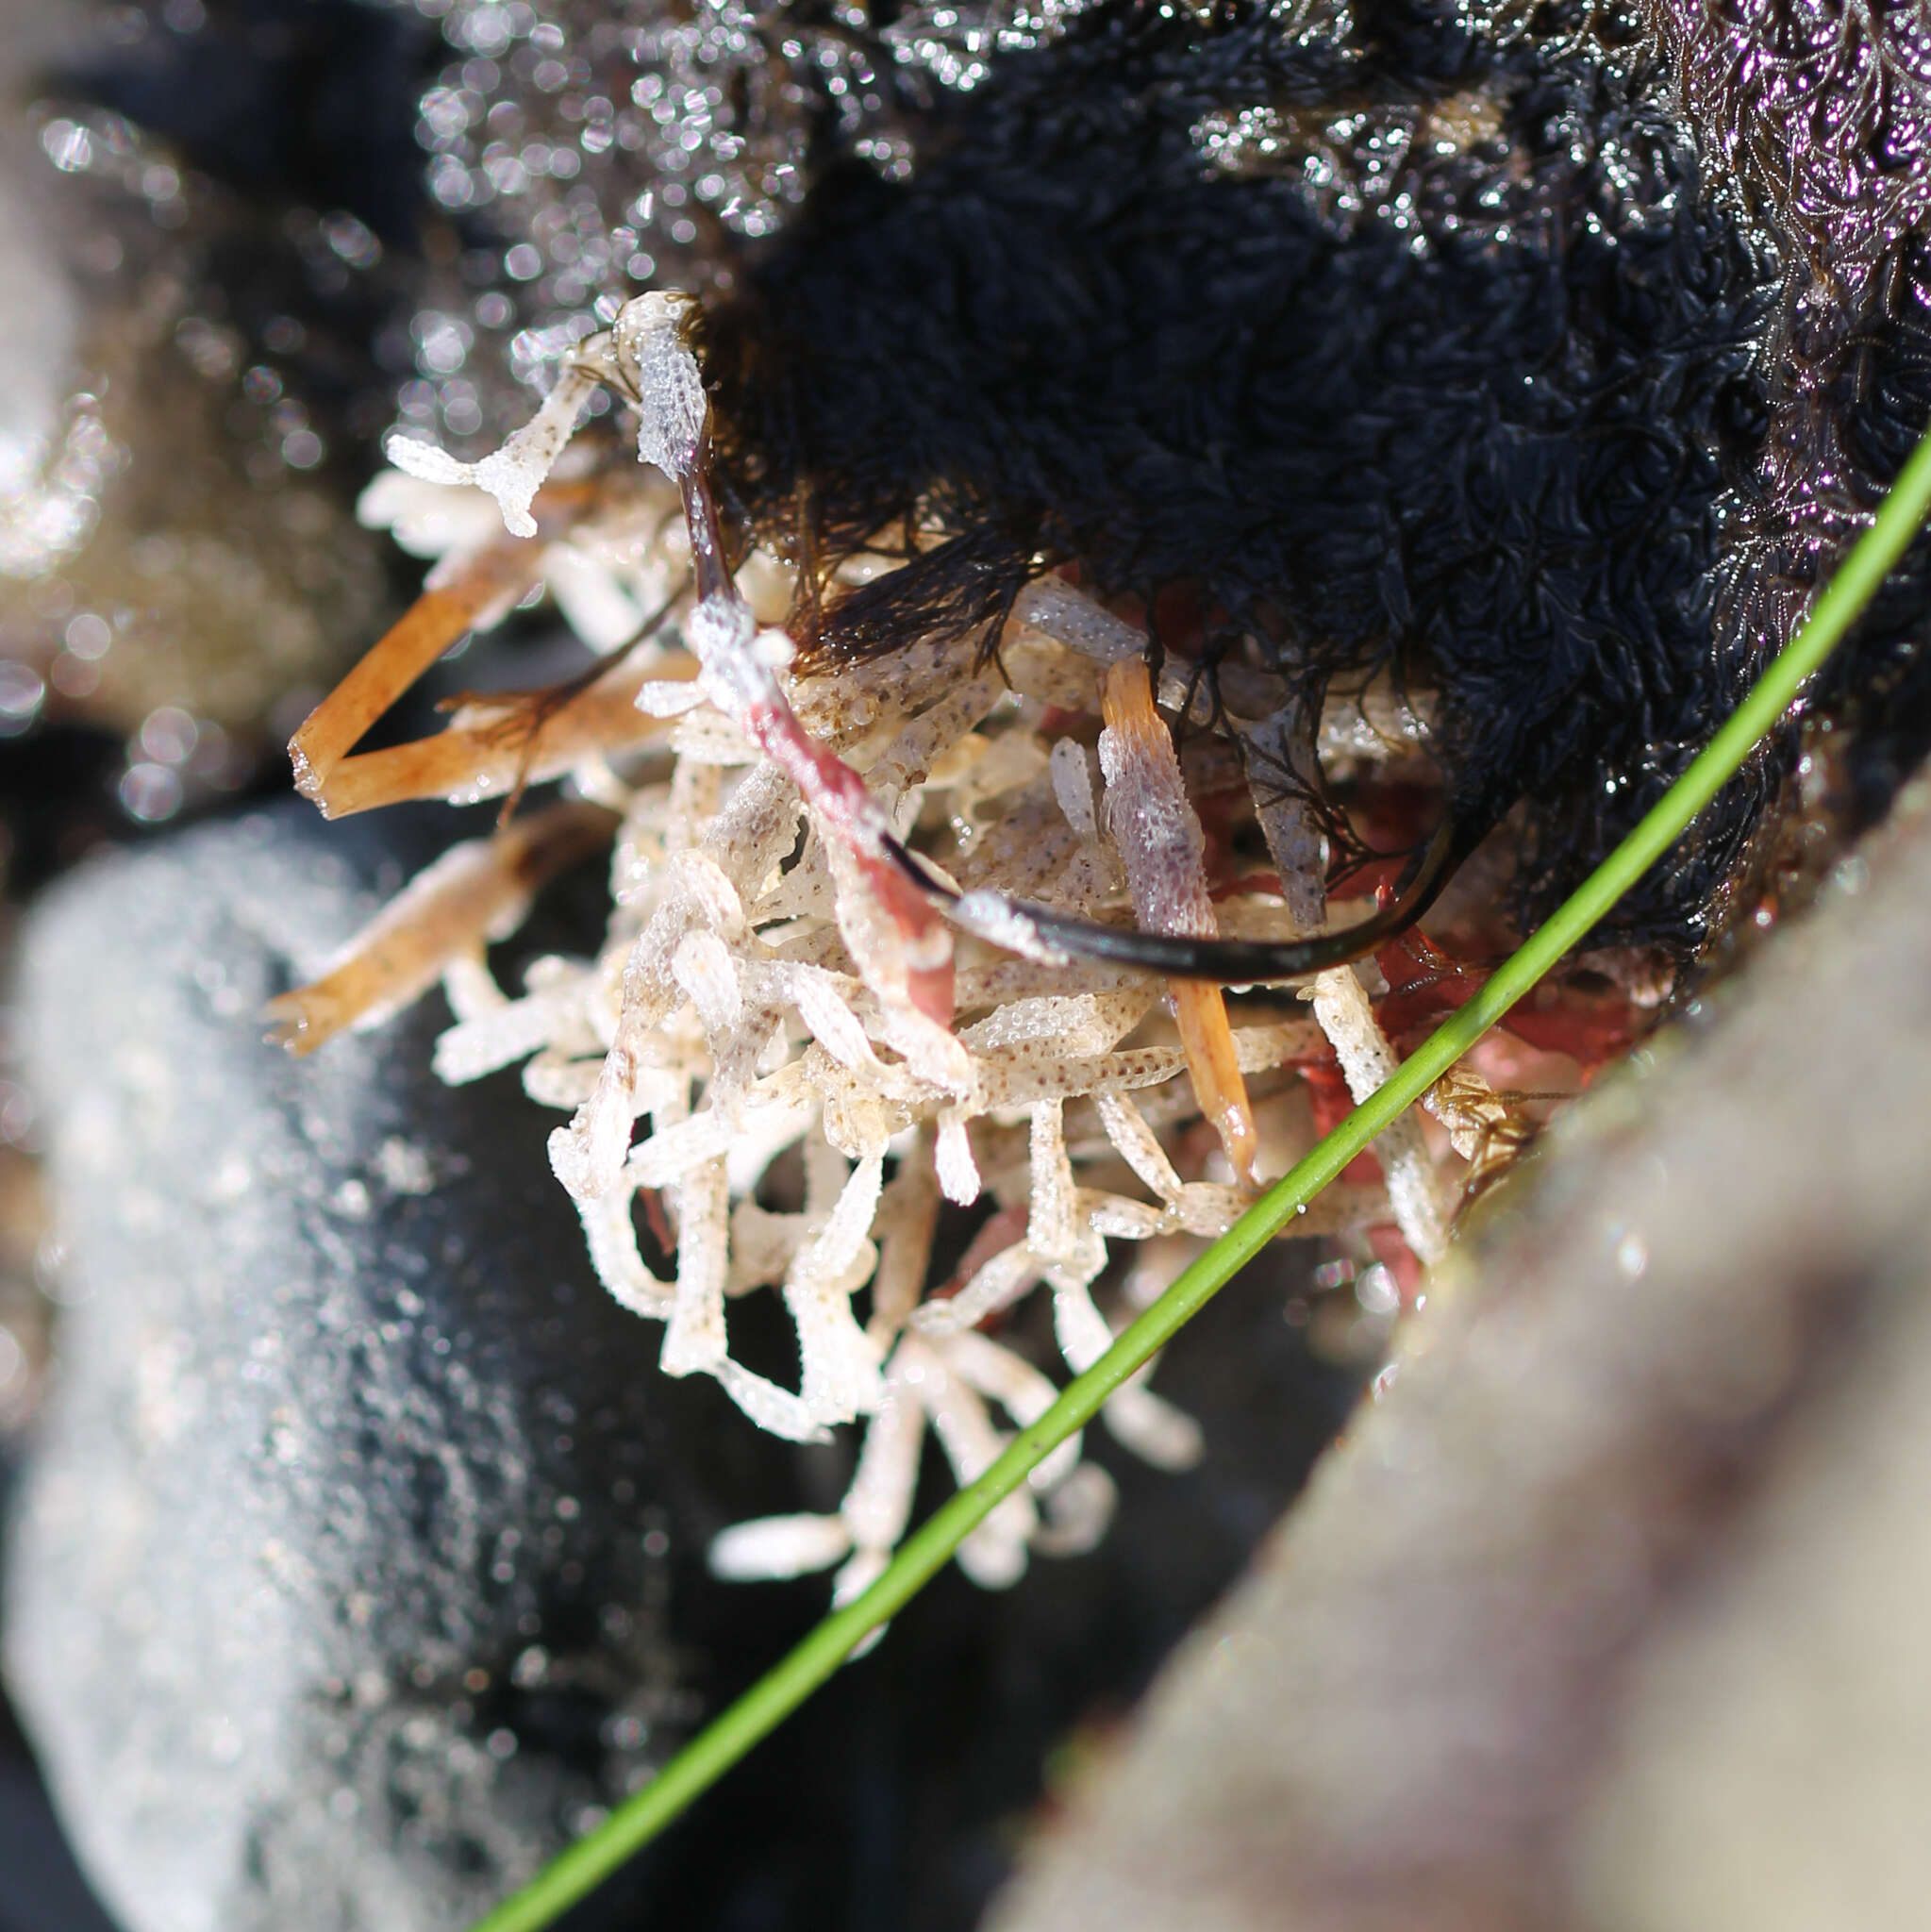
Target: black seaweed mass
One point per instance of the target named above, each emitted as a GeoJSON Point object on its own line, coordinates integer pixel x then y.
{"type": "Point", "coordinates": [1549, 360]}
{"type": "Point", "coordinates": [1398, 341]}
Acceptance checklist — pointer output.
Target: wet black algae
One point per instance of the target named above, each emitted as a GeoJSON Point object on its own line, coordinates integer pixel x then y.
{"type": "Point", "coordinates": [1548, 356]}
{"type": "Point", "coordinates": [1825, 133]}
{"type": "Point", "coordinates": [1549, 404]}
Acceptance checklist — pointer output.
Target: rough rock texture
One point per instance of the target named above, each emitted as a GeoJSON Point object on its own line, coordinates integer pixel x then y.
{"type": "Point", "coordinates": [1608, 1614]}
{"type": "Point", "coordinates": [338, 1590]}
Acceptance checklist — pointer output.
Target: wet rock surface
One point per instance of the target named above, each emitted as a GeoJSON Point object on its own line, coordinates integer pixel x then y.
{"type": "Point", "coordinates": [359, 1560]}
{"type": "Point", "coordinates": [342, 1575]}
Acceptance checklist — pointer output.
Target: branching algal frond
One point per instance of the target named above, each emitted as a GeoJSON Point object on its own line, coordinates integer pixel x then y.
{"type": "Point", "coordinates": [756, 995]}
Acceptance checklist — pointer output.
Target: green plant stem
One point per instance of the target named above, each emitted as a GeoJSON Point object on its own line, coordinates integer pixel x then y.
{"type": "Point", "coordinates": [786, 1686]}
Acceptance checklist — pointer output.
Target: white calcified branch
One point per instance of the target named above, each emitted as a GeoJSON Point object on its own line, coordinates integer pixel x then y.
{"type": "Point", "coordinates": [515, 472]}
{"type": "Point", "coordinates": [756, 994]}
{"type": "Point", "coordinates": [1284, 741]}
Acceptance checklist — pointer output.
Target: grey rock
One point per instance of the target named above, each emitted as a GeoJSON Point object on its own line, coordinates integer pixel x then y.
{"type": "Point", "coordinates": [339, 1581]}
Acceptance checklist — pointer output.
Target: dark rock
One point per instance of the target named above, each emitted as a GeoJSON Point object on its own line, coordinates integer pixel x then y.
{"type": "Point", "coordinates": [42, 1890]}
{"type": "Point", "coordinates": [346, 1489]}
{"type": "Point", "coordinates": [338, 1590]}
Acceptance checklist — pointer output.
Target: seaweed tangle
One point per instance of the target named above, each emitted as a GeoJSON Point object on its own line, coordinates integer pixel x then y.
{"type": "Point", "coordinates": [1467, 399]}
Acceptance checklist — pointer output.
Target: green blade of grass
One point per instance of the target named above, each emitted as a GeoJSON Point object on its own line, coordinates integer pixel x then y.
{"type": "Point", "coordinates": [786, 1686]}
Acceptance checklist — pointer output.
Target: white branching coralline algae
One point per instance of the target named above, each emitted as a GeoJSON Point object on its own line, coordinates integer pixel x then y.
{"type": "Point", "coordinates": [772, 980]}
